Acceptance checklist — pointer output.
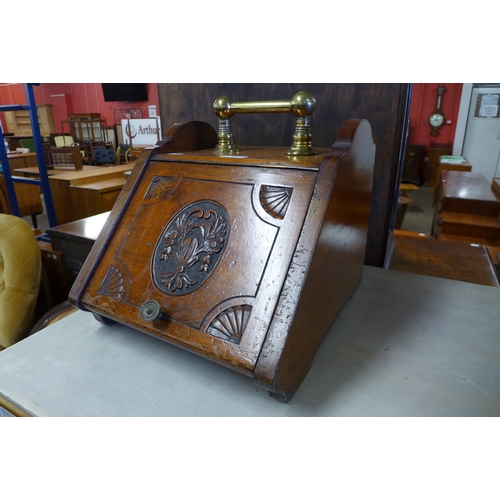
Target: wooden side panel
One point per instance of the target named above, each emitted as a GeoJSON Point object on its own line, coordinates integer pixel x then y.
{"type": "Point", "coordinates": [307, 308]}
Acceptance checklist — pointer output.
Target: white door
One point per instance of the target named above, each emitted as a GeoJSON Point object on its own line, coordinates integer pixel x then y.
{"type": "Point", "coordinates": [482, 133]}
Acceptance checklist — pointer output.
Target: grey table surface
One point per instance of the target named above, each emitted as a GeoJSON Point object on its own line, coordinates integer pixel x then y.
{"type": "Point", "coordinates": [404, 345]}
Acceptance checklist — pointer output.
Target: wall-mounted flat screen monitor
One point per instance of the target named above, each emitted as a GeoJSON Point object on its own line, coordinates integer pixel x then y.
{"type": "Point", "coordinates": [124, 92]}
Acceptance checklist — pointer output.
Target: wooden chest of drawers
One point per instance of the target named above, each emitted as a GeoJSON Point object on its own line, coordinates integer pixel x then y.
{"type": "Point", "coordinates": [244, 259]}
{"type": "Point", "coordinates": [467, 209]}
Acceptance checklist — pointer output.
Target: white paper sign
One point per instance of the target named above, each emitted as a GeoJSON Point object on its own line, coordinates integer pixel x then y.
{"type": "Point", "coordinates": [487, 106]}
{"type": "Point", "coordinates": [488, 110]}
{"type": "Point", "coordinates": [142, 132]}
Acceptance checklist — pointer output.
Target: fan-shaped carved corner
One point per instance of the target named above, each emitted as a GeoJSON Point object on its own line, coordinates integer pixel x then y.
{"type": "Point", "coordinates": [160, 187]}
{"type": "Point", "coordinates": [230, 323]}
{"type": "Point", "coordinates": [275, 200]}
{"type": "Point", "coordinates": [113, 284]}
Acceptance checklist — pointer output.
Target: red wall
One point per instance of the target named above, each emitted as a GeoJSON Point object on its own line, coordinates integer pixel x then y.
{"type": "Point", "coordinates": [75, 98]}
{"type": "Point", "coordinates": [423, 103]}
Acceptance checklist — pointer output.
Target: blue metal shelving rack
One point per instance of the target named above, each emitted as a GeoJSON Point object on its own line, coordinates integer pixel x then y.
{"type": "Point", "coordinates": [10, 180]}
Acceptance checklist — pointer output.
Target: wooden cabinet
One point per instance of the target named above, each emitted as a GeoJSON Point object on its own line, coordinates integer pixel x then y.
{"type": "Point", "coordinates": [85, 126]}
{"type": "Point", "coordinates": [75, 240]}
{"type": "Point", "coordinates": [444, 165]}
{"type": "Point", "coordinates": [22, 160]}
{"type": "Point", "coordinates": [55, 279]}
{"type": "Point", "coordinates": [96, 197]}
{"type": "Point", "coordinates": [86, 192]}
{"type": "Point", "coordinates": [244, 259]}
{"type": "Point", "coordinates": [28, 199]}
{"type": "Point", "coordinates": [86, 129]}
{"type": "Point", "coordinates": [412, 165]}
{"type": "Point", "coordinates": [435, 152]}
{"type": "Point", "coordinates": [19, 123]}
{"type": "Point", "coordinates": [28, 195]}
{"type": "Point", "coordinates": [461, 165]}
{"type": "Point", "coordinates": [467, 209]}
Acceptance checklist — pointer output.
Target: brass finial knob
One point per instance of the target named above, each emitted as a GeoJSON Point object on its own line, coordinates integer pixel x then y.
{"type": "Point", "coordinates": [303, 104]}
{"type": "Point", "coordinates": [222, 107]}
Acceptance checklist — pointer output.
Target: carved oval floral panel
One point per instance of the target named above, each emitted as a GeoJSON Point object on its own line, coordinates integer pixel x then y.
{"type": "Point", "coordinates": [190, 247]}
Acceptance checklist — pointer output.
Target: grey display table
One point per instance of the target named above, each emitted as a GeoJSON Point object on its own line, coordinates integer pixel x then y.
{"type": "Point", "coordinates": [404, 345]}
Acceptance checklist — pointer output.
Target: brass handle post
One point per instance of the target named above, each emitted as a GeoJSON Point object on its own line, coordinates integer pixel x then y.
{"type": "Point", "coordinates": [302, 105]}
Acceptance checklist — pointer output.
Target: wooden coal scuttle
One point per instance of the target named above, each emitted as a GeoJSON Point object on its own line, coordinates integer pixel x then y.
{"type": "Point", "coordinates": [243, 255]}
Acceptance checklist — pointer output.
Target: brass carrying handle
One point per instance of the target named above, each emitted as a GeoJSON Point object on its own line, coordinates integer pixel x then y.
{"type": "Point", "coordinates": [302, 105]}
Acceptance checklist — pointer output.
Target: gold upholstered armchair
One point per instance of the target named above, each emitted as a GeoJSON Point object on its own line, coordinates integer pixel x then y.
{"type": "Point", "coordinates": [20, 272]}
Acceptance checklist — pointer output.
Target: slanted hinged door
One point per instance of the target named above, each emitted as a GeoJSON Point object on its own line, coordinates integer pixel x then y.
{"type": "Point", "coordinates": [204, 250]}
